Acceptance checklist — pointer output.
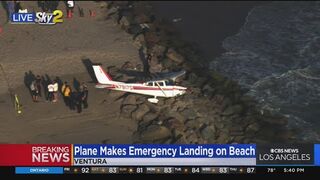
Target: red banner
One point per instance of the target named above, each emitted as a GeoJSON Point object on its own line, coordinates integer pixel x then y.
{"type": "Point", "coordinates": [35, 155]}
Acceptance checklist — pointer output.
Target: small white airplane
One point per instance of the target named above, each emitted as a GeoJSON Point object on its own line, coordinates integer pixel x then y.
{"type": "Point", "coordinates": [156, 88]}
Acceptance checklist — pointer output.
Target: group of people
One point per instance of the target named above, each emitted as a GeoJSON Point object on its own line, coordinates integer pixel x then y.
{"type": "Point", "coordinates": [74, 99]}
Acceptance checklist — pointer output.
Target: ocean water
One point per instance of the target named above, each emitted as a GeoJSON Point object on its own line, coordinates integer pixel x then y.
{"type": "Point", "coordinates": [272, 49]}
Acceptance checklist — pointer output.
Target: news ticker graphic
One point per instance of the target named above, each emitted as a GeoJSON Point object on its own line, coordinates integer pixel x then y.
{"type": "Point", "coordinates": [64, 155]}
{"type": "Point", "coordinates": [184, 170]}
{"type": "Point", "coordinates": [135, 170]}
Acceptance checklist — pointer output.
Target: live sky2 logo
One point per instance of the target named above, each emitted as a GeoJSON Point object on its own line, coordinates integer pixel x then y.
{"type": "Point", "coordinates": [43, 18]}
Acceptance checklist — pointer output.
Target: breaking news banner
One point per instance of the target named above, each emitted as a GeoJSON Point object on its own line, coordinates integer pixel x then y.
{"type": "Point", "coordinates": [101, 155]}
{"type": "Point", "coordinates": [157, 159]}
{"type": "Point", "coordinates": [35, 154]}
{"type": "Point", "coordinates": [118, 154]}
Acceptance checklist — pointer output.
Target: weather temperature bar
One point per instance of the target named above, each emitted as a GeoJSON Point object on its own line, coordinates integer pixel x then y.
{"type": "Point", "coordinates": [159, 170]}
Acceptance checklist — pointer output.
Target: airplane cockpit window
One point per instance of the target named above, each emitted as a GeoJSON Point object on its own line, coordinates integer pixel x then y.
{"type": "Point", "coordinates": [161, 83]}
{"type": "Point", "coordinates": [150, 84]}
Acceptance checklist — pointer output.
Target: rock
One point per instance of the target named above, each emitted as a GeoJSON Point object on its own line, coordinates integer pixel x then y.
{"type": "Point", "coordinates": [192, 123]}
{"type": "Point", "coordinates": [208, 88]}
{"type": "Point", "coordinates": [135, 29]}
{"type": "Point", "coordinates": [189, 113]}
{"type": "Point", "coordinates": [174, 56]}
{"type": "Point", "coordinates": [233, 110]}
{"type": "Point", "coordinates": [209, 132]}
{"type": "Point", "coordinates": [151, 38]}
{"type": "Point", "coordinates": [149, 117]}
{"type": "Point", "coordinates": [140, 100]}
{"type": "Point", "coordinates": [177, 116]}
{"type": "Point", "coordinates": [122, 77]}
{"type": "Point", "coordinates": [236, 131]}
{"type": "Point", "coordinates": [140, 112]}
{"type": "Point", "coordinates": [155, 132]}
{"type": "Point", "coordinates": [155, 67]}
{"type": "Point", "coordinates": [253, 127]}
{"type": "Point", "coordinates": [178, 105]}
{"type": "Point", "coordinates": [139, 41]}
{"type": "Point", "coordinates": [180, 140]}
{"type": "Point", "coordinates": [239, 139]}
{"type": "Point", "coordinates": [276, 121]}
{"type": "Point", "coordinates": [223, 138]}
{"type": "Point", "coordinates": [130, 99]}
{"type": "Point", "coordinates": [113, 70]}
{"type": "Point", "coordinates": [127, 66]}
{"type": "Point", "coordinates": [219, 125]}
{"type": "Point", "coordinates": [158, 50]}
{"type": "Point", "coordinates": [173, 123]}
{"type": "Point", "coordinates": [142, 18]}
{"type": "Point", "coordinates": [126, 110]}
{"type": "Point", "coordinates": [169, 101]}
{"type": "Point", "coordinates": [192, 78]}
{"type": "Point", "coordinates": [225, 103]}
{"type": "Point", "coordinates": [112, 11]}
{"type": "Point", "coordinates": [191, 137]}
{"type": "Point", "coordinates": [125, 22]}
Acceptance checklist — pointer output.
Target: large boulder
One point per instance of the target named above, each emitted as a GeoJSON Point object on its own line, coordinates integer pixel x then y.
{"type": "Point", "coordinates": [175, 56]}
{"type": "Point", "coordinates": [139, 41]}
{"type": "Point", "coordinates": [174, 123]}
{"type": "Point", "coordinates": [235, 109]}
{"type": "Point", "coordinates": [140, 112]}
{"type": "Point", "coordinates": [189, 113]}
{"type": "Point", "coordinates": [151, 38]}
{"type": "Point", "coordinates": [158, 50]}
{"type": "Point", "coordinates": [154, 133]}
{"type": "Point", "coordinates": [142, 18]}
{"type": "Point", "coordinates": [149, 117]}
{"type": "Point", "coordinates": [125, 22]}
{"type": "Point", "coordinates": [209, 132]}
{"type": "Point", "coordinates": [131, 99]}
{"type": "Point", "coordinates": [126, 110]}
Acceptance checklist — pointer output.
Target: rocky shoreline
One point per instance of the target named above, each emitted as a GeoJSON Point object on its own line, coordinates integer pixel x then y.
{"type": "Point", "coordinates": [215, 110]}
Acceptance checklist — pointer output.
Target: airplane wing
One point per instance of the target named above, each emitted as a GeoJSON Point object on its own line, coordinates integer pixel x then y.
{"type": "Point", "coordinates": [171, 75]}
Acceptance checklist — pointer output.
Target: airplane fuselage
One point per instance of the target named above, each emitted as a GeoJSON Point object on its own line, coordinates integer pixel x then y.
{"type": "Point", "coordinates": [157, 91]}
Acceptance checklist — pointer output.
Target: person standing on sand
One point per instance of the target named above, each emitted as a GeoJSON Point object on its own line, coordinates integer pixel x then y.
{"type": "Point", "coordinates": [84, 95]}
{"type": "Point", "coordinates": [78, 101]}
{"type": "Point", "coordinates": [55, 91]}
{"type": "Point", "coordinates": [50, 91]}
{"type": "Point", "coordinates": [34, 91]}
{"type": "Point", "coordinates": [11, 9]}
{"type": "Point", "coordinates": [67, 94]}
{"type": "Point", "coordinates": [38, 82]}
{"type": "Point", "coordinates": [70, 7]}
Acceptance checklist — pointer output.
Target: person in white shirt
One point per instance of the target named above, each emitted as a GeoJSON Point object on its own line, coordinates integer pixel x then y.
{"type": "Point", "coordinates": [50, 91]}
{"type": "Point", "coordinates": [70, 7]}
{"type": "Point", "coordinates": [55, 91]}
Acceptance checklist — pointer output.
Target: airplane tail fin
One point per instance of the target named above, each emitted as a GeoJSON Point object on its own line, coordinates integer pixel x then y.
{"type": "Point", "coordinates": [101, 75]}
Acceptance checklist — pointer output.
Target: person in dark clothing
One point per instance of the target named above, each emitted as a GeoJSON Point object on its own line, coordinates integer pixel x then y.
{"type": "Point", "coordinates": [73, 99]}
{"type": "Point", "coordinates": [84, 95]}
{"type": "Point", "coordinates": [38, 83]}
{"type": "Point", "coordinates": [78, 101]}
